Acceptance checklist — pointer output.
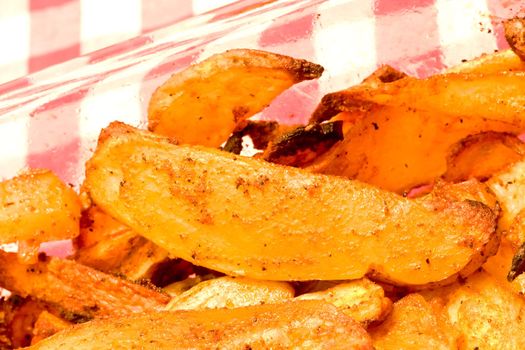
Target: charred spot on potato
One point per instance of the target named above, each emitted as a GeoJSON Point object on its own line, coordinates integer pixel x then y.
{"type": "Point", "coordinates": [515, 35]}
{"type": "Point", "coordinates": [261, 133]}
{"type": "Point", "coordinates": [384, 74]}
{"type": "Point", "coordinates": [518, 264]}
{"type": "Point", "coordinates": [302, 145]}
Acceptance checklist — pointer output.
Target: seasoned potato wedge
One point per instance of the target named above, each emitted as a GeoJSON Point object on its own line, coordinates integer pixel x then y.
{"type": "Point", "coordinates": [502, 61]}
{"type": "Point", "coordinates": [398, 148]}
{"type": "Point", "coordinates": [292, 325]}
{"type": "Point", "coordinates": [204, 103]}
{"type": "Point", "coordinates": [110, 246]}
{"type": "Point", "coordinates": [46, 325]}
{"type": "Point", "coordinates": [413, 324]}
{"type": "Point", "coordinates": [515, 35]}
{"type": "Point", "coordinates": [230, 292]}
{"type": "Point", "coordinates": [509, 188]}
{"type": "Point", "coordinates": [247, 217]}
{"type": "Point", "coordinates": [37, 207]}
{"type": "Point", "coordinates": [361, 299]}
{"type": "Point", "coordinates": [467, 96]}
{"type": "Point", "coordinates": [80, 292]}
{"type": "Point", "coordinates": [482, 155]}
{"type": "Point", "coordinates": [487, 315]}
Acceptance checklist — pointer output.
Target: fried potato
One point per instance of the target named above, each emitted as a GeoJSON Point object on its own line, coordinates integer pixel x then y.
{"type": "Point", "coordinates": [230, 292]}
{"type": "Point", "coordinates": [20, 316]}
{"type": "Point", "coordinates": [80, 292]}
{"type": "Point", "coordinates": [204, 103]}
{"type": "Point", "coordinates": [361, 299]}
{"type": "Point", "coordinates": [383, 74]}
{"type": "Point", "coordinates": [482, 155]}
{"type": "Point", "coordinates": [487, 315]}
{"type": "Point", "coordinates": [399, 148]}
{"type": "Point", "coordinates": [509, 189]}
{"type": "Point", "coordinates": [413, 324]}
{"type": "Point", "coordinates": [46, 325]}
{"type": "Point", "coordinates": [502, 61]}
{"type": "Point", "coordinates": [292, 325]}
{"type": "Point", "coordinates": [515, 35]}
{"type": "Point", "coordinates": [37, 207]}
{"type": "Point", "coordinates": [247, 217]}
{"type": "Point", "coordinates": [466, 96]}
{"type": "Point", "coordinates": [110, 246]}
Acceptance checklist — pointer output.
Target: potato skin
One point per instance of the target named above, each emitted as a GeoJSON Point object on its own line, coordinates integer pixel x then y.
{"type": "Point", "coordinates": [292, 325]}
{"type": "Point", "coordinates": [37, 207]}
{"type": "Point", "coordinates": [243, 216]}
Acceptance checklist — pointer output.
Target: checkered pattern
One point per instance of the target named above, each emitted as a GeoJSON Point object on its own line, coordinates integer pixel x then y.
{"type": "Point", "coordinates": [36, 34]}
{"type": "Point", "coordinates": [52, 118]}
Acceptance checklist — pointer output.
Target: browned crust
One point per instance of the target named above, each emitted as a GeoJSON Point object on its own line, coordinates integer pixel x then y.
{"type": "Point", "coordinates": [515, 35]}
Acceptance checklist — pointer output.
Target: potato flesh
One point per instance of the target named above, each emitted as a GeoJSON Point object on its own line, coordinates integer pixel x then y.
{"type": "Point", "coordinates": [203, 104]}
{"type": "Point", "coordinates": [229, 292]}
{"type": "Point", "coordinates": [413, 324]}
{"type": "Point", "coordinates": [293, 325]}
{"type": "Point", "coordinates": [37, 207]}
{"type": "Point", "coordinates": [497, 62]}
{"type": "Point", "coordinates": [362, 299]}
{"type": "Point", "coordinates": [46, 325]}
{"type": "Point", "coordinates": [398, 148]}
{"type": "Point", "coordinates": [247, 217]}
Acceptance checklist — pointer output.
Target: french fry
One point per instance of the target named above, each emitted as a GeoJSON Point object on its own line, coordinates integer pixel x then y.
{"type": "Point", "coordinates": [204, 103]}
{"type": "Point", "coordinates": [19, 318]}
{"type": "Point", "coordinates": [502, 61]}
{"type": "Point", "coordinates": [230, 292]}
{"type": "Point", "coordinates": [361, 299]}
{"type": "Point", "coordinates": [487, 315]}
{"type": "Point", "coordinates": [292, 325]}
{"type": "Point", "coordinates": [247, 217]}
{"type": "Point", "coordinates": [413, 324]}
{"type": "Point", "coordinates": [80, 292]}
{"type": "Point", "coordinates": [46, 325]}
{"type": "Point", "coordinates": [37, 207]}
{"type": "Point", "coordinates": [515, 35]}
{"type": "Point", "coordinates": [482, 155]}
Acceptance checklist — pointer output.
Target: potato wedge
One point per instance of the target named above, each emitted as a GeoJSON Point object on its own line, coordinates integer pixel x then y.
{"type": "Point", "coordinates": [204, 103]}
{"type": "Point", "coordinates": [466, 96]}
{"type": "Point", "coordinates": [230, 292]}
{"type": "Point", "coordinates": [487, 315]}
{"type": "Point", "coordinates": [292, 325]}
{"type": "Point", "coordinates": [482, 155]}
{"type": "Point", "coordinates": [502, 61]}
{"type": "Point", "coordinates": [80, 292]}
{"type": "Point", "coordinates": [413, 324]}
{"type": "Point", "coordinates": [46, 325]}
{"type": "Point", "coordinates": [37, 207]}
{"type": "Point", "coordinates": [399, 148]}
{"type": "Point", "coordinates": [247, 217]}
{"type": "Point", "coordinates": [362, 299]}
{"type": "Point", "coordinates": [515, 35]}
{"type": "Point", "coordinates": [509, 188]}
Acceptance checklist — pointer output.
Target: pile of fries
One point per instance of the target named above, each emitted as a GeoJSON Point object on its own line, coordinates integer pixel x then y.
{"type": "Point", "coordinates": [394, 219]}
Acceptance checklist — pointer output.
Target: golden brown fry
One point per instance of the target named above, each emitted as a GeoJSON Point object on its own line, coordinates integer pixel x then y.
{"type": "Point", "coordinates": [482, 155]}
{"type": "Point", "coordinates": [361, 299]}
{"type": "Point", "coordinates": [509, 188]}
{"type": "Point", "coordinates": [515, 35]}
{"type": "Point", "coordinates": [231, 292]}
{"type": "Point", "coordinates": [203, 104]}
{"type": "Point", "coordinates": [398, 148]}
{"type": "Point", "coordinates": [292, 325]}
{"type": "Point", "coordinates": [488, 315]}
{"type": "Point", "coordinates": [110, 246]}
{"type": "Point", "coordinates": [466, 96]}
{"type": "Point", "coordinates": [46, 325]}
{"type": "Point", "coordinates": [502, 61]}
{"type": "Point", "coordinates": [243, 216]}
{"type": "Point", "coordinates": [80, 292]}
{"type": "Point", "coordinates": [413, 324]}
{"type": "Point", "coordinates": [37, 207]}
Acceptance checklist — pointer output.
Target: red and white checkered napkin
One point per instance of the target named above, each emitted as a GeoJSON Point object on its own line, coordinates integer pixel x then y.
{"type": "Point", "coordinates": [52, 119]}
